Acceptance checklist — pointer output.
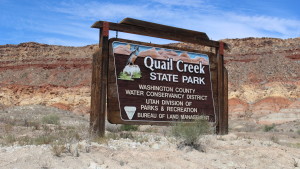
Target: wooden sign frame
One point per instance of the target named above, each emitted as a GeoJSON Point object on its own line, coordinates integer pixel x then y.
{"type": "Point", "coordinates": [104, 81]}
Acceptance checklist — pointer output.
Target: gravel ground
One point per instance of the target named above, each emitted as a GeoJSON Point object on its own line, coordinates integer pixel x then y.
{"type": "Point", "coordinates": [149, 147]}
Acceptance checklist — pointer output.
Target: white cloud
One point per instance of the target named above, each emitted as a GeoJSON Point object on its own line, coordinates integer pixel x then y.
{"type": "Point", "coordinates": [286, 27]}
{"type": "Point", "coordinates": [62, 28]}
{"type": "Point", "coordinates": [68, 22]}
{"type": "Point", "coordinates": [95, 10]}
{"type": "Point", "coordinates": [218, 24]}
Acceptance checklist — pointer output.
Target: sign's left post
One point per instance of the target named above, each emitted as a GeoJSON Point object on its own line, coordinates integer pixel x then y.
{"type": "Point", "coordinates": [99, 84]}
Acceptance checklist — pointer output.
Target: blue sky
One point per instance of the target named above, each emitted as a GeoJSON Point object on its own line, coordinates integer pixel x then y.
{"type": "Point", "coordinates": [62, 22]}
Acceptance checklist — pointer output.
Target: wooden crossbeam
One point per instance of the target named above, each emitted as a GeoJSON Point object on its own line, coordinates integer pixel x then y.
{"type": "Point", "coordinates": [134, 26]}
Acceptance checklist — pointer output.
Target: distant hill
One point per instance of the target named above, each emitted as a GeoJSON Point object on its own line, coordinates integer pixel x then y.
{"type": "Point", "coordinates": [264, 76]}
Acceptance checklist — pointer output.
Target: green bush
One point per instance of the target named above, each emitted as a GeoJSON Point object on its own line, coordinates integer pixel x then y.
{"type": "Point", "coordinates": [191, 132]}
{"type": "Point", "coordinates": [51, 119]}
{"type": "Point", "coordinates": [298, 131]}
{"type": "Point", "coordinates": [268, 128]}
{"type": "Point", "coordinates": [127, 127]}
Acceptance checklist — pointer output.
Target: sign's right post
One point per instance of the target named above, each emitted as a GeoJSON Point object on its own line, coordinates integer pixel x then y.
{"type": "Point", "coordinates": [222, 79]}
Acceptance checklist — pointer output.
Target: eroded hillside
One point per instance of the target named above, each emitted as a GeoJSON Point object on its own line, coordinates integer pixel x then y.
{"type": "Point", "coordinates": [264, 77]}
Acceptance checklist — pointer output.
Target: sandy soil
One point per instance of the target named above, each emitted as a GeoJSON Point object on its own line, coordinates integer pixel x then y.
{"type": "Point", "coordinates": [149, 147]}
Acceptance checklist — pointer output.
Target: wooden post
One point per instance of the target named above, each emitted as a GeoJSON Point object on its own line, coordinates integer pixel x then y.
{"type": "Point", "coordinates": [223, 114]}
{"type": "Point", "coordinates": [99, 84]}
{"type": "Point", "coordinates": [225, 117]}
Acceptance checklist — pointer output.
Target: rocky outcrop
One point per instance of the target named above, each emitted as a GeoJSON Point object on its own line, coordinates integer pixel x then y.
{"type": "Point", "coordinates": [270, 105]}
{"type": "Point", "coordinates": [264, 76]}
{"type": "Point", "coordinates": [237, 108]}
{"type": "Point", "coordinates": [58, 76]}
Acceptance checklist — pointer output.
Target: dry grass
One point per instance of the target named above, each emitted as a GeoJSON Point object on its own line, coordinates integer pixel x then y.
{"type": "Point", "coordinates": [46, 130]}
{"type": "Point", "coordinates": [51, 119]}
{"type": "Point", "coordinates": [8, 128]}
{"type": "Point", "coordinates": [127, 127]}
{"type": "Point", "coordinates": [58, 148]}
{"type": "Point", "coordinates": [40, 132]}
{"type": "Point", "coordinates": [9, 139]}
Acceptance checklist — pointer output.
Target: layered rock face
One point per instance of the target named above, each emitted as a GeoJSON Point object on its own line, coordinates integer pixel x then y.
{"type": "Point", "coordinates": [264, 76]}
{"type": "Point", "coordinates": [32, 73]}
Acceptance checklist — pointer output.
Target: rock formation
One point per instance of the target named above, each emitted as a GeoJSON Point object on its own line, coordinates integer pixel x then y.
{"type": "Point", "coordinates": [264, 76]}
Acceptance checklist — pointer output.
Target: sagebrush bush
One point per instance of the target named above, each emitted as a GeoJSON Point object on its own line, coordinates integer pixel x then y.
{"type": "Point", "coordinates": [51, 119]}
{"type": "Point", "coordinates": [191, 132]}
{"type": "Point", "coordinates": [274, 139]}
{"type": "Point", "coordinates": [44, 139]}
{"type": "Point", "coordinates": [9, 139]}
{"type": "Point", "coordinates": [58, 149]}
{"type": "Point", "coordinates": [268, 128]}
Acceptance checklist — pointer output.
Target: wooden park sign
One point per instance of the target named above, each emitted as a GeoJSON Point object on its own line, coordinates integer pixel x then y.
{"type": "Point", "coordinates": [156, 84]}
{"type": "Point", "coordinates": [143, 83]}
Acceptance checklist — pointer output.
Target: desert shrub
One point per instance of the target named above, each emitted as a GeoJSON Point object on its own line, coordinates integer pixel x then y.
{"type": "Point", "coordinates": [297, 145]}
{"type": "Point", "coordinates": [46, 129]}
{"type": "Point", "coordinates": [295, 163]}
{"type": "Point", "coordinates": [113, 128]}
{"type": "Point", "coordinates": [51, 119]}
{"type": "Point", "coordinates": [191, 132]}
{"type": "Point", "coordinates": [151, 130]}
{"type": "Point", "coordinates": [8, 128]}
{"type": "Point", "coordinates": [274, 139]}
{"type": "Point", "coordinates": [113, 136]}
{"type": "Point", "coordinates": [298, 131]}
{"type": "Point", "coordinates": [35, 124]}
{"type": "Point", "coordinates": [26, 140]}
{"type": "Point", "coordinates": [101, 140]}
{"type": "Point", "coordinates": [9, 139]}
{"type": "Point", "coordinates": [44, 139]}
{"type": "Point", "coordinates": [58, 148]}
{"type": "Point", "coordinates": [6, 120]}
{"type": "Point", "coordinates": [126, 127]}
{"type": "Point", "coordinates": [68, 136]}
{"type": "Point", "coordinates": [141, 138]}
{"type": "Point", "coordinates": [126, 135]}
{"type": "Point", "coordinates": [268, 128]}
{"type": "Point", "coordinates": [105, 140]}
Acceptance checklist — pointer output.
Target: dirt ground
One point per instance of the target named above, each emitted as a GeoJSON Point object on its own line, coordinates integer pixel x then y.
{"type": "Point", "coordinates": [29, 139]}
